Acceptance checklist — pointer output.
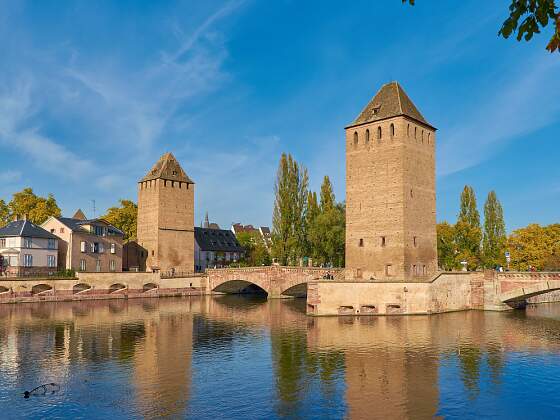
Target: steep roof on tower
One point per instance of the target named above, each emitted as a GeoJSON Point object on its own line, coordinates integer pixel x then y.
{"type": "Point", "coordinates": [389, 101]}
{"type": "Point", "coordinates": [167, 167]}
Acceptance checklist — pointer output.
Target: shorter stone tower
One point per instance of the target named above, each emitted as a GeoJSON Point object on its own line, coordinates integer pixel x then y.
{"type": "Point", "coordinates": [390, 190]}
{"type": "Point", "coordinates": [166, 217]}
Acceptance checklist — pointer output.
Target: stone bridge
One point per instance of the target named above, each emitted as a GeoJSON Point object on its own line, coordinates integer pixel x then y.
{"type": "Point", "coordinates": [276, 281]}
{"type": "Point", "coordinates": [517, 287]}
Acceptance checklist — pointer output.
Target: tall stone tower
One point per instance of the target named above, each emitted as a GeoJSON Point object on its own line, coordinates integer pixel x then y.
{"type": "Point", "coordinates": [390, 190]}
{"type": "Point", "coordinates": [166, 216]}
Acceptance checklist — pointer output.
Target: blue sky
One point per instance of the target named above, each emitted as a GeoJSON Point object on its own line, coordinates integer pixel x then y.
{"type": "Point", "coordinates": [92, 93]}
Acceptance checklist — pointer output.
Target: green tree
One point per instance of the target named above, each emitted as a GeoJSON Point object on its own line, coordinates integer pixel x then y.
{"type": "Point", "coordinates": [446, 246]}
{"type": "Point", "coordinates": [289, 215]}
{"type": "Point", "coordinates": [327, 195]}
{"type": "Point", "coordinates": [37, 209]}
{"type": "Point", "coordinates": [494, 239]}
{"type": "Point", "coordinates": [256, 252]}
{"type": "Point", "coordinates": [534, 246]}
{"type": "Point", "coordinates": [4, 213]}
{"type": "Point", "coordinates": [527, 18]}
{"type": "Point", "coordinates": [328, 235]}
{"type": "Point", "coordinates": [124, 218]}
{"type": "Point", "coordinates": [468, 233]}
{"type": "Point", "coordinates": [311, 214]}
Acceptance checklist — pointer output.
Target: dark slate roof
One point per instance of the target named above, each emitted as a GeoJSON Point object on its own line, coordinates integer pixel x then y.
{"type": "Point", "coordinates": [216, 240]}
{"type": "Point", "coordinates": [76, 224]}
{"type": "Point", "coordinates": [390, 101]}
{"type": "Point", "coordinates": [265, 230]}
{"type": "Point", "coordinates": [27, 229]}
{"type": "Point", "coordinates": [168, 168]}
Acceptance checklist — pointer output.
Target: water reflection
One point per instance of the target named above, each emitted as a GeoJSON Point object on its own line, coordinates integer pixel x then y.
{"type": "Point", "coordinates": [253, 358]}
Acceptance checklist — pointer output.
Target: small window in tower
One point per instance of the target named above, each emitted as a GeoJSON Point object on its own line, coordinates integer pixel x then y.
{"type": "Point", "coordinates": [355, 138]}
{"type": "Point", "coordinates": [392, 130]}
{"type": "Point", "coordinates": [383, 241]}
{"type": "Point", "coordinates": [361, 242]}
{"type": "Point", "coordinates": [408, 130]}
{"type": "Point", "coordinates": [415, 130]}
{"type": "Point", "coordinates": [389, 270]}
{"type": "Point", "coordinates": [379, 133]}
{"type": "Point", "coordinates": [367, 136]}
{"type": "Point", "coordinates": [424, 272]}
{"type": "Point", "coordinates": [422, 136]}
{"type": "Point", "coordinates": [153, 253]}
{"type": "Point", "coordinates": [428, 138]}
{"type": "Point", "coordinates": [414, 241]}
{"type": "Point", "coordinates": [411, 193]}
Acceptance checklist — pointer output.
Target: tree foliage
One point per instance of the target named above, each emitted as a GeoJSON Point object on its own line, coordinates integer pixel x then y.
{"type": "Point", "coordinates": [534, 246]}
{"type": "Point", "coordinates": [527, 18]}
{"type": "Point", "coordinates": [468, 233]}
{"type": "Point", "coordinates": [446, 247]}
{"type": "Point", "coordinates": [256, 252]}
{"type": "Point", "coordinates": [26, 203]}
{"type": "Point", "coordinates": [494, 238]}
{"type": "Point", "coordinates": [124, 218]}
{"type": "Point", "coordinates": [288, 219]}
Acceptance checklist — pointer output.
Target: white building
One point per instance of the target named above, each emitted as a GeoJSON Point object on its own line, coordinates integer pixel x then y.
{"type": "Point", "coordinates": [27, 249]}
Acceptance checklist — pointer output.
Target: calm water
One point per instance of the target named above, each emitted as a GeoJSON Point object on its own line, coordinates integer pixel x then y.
{"type": "Point", "coordinates": [232, 357]}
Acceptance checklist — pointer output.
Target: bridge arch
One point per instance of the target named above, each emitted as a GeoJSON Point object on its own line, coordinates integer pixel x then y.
{"type": "Point", "coordinates": [117, 287]}
{"type": "Point", "coordinates": [149, 287]}
{"type": "Point", "coordinates": [529, 290]}
{"type": "Point", "coordinates": [298, 290]}
{"type": "Point", "coordinates": [80, 287]}
{"type": "Point", "coordinates": [40, 289]}
{"type": "Point", "coordinates": [240, 287]}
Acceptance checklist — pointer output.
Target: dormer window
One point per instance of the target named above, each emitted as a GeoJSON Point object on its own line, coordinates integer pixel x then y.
{"type": "Point", "coordinates": [174, 173]}
{"type": "Point", "coordinates": [376, 110]}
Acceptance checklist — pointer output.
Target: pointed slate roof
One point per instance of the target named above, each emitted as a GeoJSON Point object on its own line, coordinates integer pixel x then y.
{"type": "Point", "coordinates": [25, 228]}
{"type": "Point", "coordinates": [390, 101]}
{"type": "Point", "coordinates": [167, 167]}
{"type": "Point", "coordinates": [79, 215]}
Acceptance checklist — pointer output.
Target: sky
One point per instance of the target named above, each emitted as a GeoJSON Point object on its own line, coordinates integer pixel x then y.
{"type": "Point", "coordinates": [92, 93]}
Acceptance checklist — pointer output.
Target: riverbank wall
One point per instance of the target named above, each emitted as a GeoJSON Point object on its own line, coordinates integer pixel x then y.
{"type": "Point", "coordinates": [88, 286]}
{"type": "Point", "coordinates": [445, 292]}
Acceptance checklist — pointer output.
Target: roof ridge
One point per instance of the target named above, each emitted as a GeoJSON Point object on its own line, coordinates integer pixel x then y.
{"type": "Point", "coordinates": [399, 96]}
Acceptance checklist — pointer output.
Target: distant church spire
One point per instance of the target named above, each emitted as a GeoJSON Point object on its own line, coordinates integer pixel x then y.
{"type": "Point", "coordinates": [206, 221]}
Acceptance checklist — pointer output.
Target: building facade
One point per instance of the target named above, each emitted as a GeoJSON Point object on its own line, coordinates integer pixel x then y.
{"type": "Point", "coordinates": [88, 245]}
{"type": "Point", "coordinates": [390, 190]}
{"type": "Point", "coordinates": [165, 227]}
{"type": "Point", "coordinates": [215, 248]}
{"type": "Point", "coordinates": [27, 249]}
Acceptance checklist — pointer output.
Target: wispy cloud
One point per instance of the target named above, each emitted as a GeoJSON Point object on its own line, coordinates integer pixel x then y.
{"type": "Point", "coordinates": [512, 107]}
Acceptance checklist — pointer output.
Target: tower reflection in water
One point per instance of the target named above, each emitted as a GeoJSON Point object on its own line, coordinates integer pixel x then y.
{"type": "Point", "coordinates": [181, 357]}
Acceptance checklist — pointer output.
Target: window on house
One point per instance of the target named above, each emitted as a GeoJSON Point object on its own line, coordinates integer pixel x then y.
{"type": "Point", "coordinates": [27, 243]}
{"type": "Point", "coordinates": [113, 249]}
{"type": "Point", "coordinates": [361, 242]}
{"type": "Point", "coordinates": [52, 243]}
{"type": "Point", "coordinates": [61, 230]}
{"type": "Point", "coordinates": [3, 243]}
{"type": "Point", "coordinates": [51, 261]}
{"type": "Point", "coordinates": [28, 260]}
{"type": "Point", "coordinates": [82, 265]}
{"type": "Point", "coordinates": [83, 246]}
{"type": "Point", "coordinates": [92, 247]}
{"type": "Point", "coordinates": [383, 241]}
{"type": "Point", "coordinates": [53, 230]}
{"type": "Point", "coordinates": [112, 265]}
{"type": "Point", "coordinates": [98, 265]}
{"type": "Point", "coordinates": [101, 248]}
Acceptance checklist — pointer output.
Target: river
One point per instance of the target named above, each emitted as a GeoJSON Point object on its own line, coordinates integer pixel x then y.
{"type": "Point", "coordinates": [246, 357]}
